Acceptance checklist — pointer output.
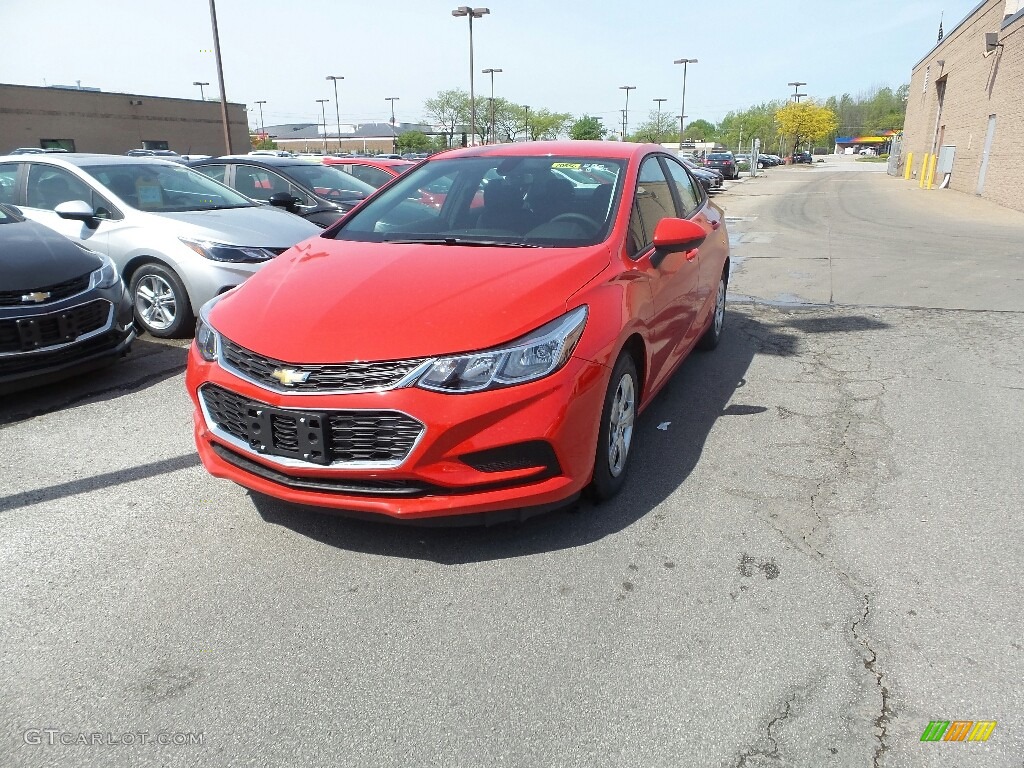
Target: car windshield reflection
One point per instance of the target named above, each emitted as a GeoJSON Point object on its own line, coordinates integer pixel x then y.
{"type": "Point", "coordinates": [543, 201]}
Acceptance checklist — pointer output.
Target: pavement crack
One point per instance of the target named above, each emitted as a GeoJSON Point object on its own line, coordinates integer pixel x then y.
{"type": "Point", "coordinates": [885, 714]}
{"type": "Point", "coordinates": [771, 750]}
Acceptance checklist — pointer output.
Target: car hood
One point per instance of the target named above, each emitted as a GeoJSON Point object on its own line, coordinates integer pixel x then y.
{"type": "Point", "coordinates": [257, 226]}
{"type": "Point", "coordinates": [336, 301]}
{"type": "Point", "coordinates": [34, 256]}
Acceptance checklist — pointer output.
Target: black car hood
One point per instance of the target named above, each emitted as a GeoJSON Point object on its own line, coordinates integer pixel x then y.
{"type": "Point", "coordinates": [34, 256]}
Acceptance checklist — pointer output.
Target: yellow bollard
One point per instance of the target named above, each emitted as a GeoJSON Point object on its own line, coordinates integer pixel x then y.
{"type": "Point", "coordinates": [924, 171]}
{"type": "Point", "coordinates": [931, 171]}
{"type": "Point", "coordinates": [910, 166]}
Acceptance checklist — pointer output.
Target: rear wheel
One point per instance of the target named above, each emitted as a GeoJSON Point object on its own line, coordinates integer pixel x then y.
{"type": "Point", "coordinates": [161, 303]}
{"type": "Point", "coordinates": [615, 437]}
{"type": "Point", "coordinates": [713, 334]}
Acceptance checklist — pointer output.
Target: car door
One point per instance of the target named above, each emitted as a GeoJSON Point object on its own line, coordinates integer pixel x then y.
{"type": "Point", "coordinates": [673, 277]}
{"type": "Point", "coordinates": [694, 205]}
{"type": "Point", "coordinates": [48, 186]}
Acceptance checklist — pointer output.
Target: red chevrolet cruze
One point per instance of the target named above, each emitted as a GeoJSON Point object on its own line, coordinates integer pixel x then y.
{"type": "Point", "coordinates": [416, 361]}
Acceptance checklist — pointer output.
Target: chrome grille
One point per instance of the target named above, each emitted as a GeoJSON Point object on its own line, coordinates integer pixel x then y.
{"type": "Point", "coordinates": [340, 377]}
{"type": "Point", "coordinates": [351, 437]}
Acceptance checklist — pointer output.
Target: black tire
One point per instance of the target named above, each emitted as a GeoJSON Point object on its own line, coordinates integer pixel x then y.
{"type": "Point", "coordinates": [611, 466]}
{"type": "Point", "coordinates": [713, 334]}
{"type": "Point", "coordinates": [161, 303]}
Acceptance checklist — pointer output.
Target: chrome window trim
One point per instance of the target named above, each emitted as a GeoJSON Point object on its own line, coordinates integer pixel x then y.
{"type": "Point", "coordinates": [285, 461]}
{"type": "Point", "coordinates": [53, 347]}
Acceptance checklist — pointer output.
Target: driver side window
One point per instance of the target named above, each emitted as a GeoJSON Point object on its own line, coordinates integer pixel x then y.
{"type": "Point", "coordinates": [48, 187]}
{"type": "Point", "coordinates": [652, 203]}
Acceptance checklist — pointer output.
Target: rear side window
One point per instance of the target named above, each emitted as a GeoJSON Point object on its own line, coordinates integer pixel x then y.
{"type": "Point", "coordinates": [8, 178]}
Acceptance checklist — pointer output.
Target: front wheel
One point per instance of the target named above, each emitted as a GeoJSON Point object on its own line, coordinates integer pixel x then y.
{"type": "Point", "coordinates": [713, 334]}
{"type": "Point", "coordinates": [161, 303]}
{"type": "Point", "coordinates": [615, 437]}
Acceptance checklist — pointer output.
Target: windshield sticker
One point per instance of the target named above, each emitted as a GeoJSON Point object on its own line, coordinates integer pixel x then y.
{"type": "Point", "coordinates": [573, 166]}
{"type": "Point", "coordinates": [149, 194]}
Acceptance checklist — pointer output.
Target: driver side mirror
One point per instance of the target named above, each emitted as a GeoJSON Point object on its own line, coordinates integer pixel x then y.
{"type": "Point", "coordinates": [78, 210]}
{"type": "Point", "coordinates": [284, 200]}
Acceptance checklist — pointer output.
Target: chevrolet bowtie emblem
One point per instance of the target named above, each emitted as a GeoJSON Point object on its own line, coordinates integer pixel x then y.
{"type": "Point", "coordinates": [36, 296]}
{"type": "Point", "coordinates": [289, 377]}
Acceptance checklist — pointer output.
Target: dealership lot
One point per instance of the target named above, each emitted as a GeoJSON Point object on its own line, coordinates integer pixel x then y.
{"type": "Point", "coordinates": [816, 553]}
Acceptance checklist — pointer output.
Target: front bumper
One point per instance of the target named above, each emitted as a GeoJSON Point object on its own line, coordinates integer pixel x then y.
{"type": "Point", "coordinates": [102, 346]}
{"type": "Point", "coordinates": [457, 464]}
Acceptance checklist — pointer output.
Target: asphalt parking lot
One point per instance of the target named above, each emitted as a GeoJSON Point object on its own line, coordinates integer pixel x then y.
{"type": "Point", "coordinates": [816, 554]}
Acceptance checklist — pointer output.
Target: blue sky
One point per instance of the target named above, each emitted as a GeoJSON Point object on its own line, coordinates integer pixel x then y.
{"type": "Point", "coordinates": [566, 56]}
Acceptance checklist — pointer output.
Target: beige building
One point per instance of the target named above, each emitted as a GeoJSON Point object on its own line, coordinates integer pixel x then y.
{"type": "Point", "coordinates": [966, 105]}
{"type": "Point", "coordinates": [95, 121]}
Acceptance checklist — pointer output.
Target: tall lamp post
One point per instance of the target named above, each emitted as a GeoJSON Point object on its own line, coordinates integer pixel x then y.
{"type": "Point", "coordinates": [337, 109]}
{"type": "Point", "coordinates": [323, 111]}
{"type": "Point", "coordinates": [394, 135]}
{"type": "Point", "coordinates": [625, 112]}
{"type": "Point", "coordinates": [220, 78]}
{"type": "Point", "coordinates": [527, 108]}
{"type": "Point", "coordinates": [796, 91]}
{"type": "Point", "coordinates": [471, 13]}
{"type": "Point", "coordinates": [491, 73]}
{"type": "Point", "coordinates": [202, 94]}
{"type": "Point", "coordinates": [263, 128]}
{"type": "Point", "coordinates": [659, 117]}
{"type": "Point", "coordinates": [682, 107]}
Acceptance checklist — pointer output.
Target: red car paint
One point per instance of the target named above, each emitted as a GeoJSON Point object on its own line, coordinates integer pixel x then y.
{"type": "Point", "coordinates": [331, 301]}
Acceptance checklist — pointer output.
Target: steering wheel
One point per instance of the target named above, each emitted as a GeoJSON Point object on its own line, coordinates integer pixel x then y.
{"type": "Point", "coordinates": [577, 218]}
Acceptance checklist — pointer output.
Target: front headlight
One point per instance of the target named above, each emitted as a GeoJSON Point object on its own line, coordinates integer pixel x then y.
{"type": "Point", "coordinates": [534, 356]}
{"type": "Point", "coordinates": [207, 339]}
{"type": "Point", "coordinates": [238, 254]}
{"type": "Point", "coordinates": [105, 276]}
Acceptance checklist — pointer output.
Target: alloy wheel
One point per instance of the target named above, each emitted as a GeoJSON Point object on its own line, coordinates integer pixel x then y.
{"type": "Point", "coordinates": [620, 426]}
{"type": "Point", "coordinates": [155, 302]}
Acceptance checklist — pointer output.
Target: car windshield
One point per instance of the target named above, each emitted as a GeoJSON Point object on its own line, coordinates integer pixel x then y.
{"type": "Point", "coordinates": [163, 187]}
{"type": "Point", "coordinates": [329, 182]}
{"type": "Point", "coordinates": [492, 200]}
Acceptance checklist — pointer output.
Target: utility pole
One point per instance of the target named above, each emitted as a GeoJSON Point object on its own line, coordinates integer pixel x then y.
{"type": "Point", "coordinates": [625, 112]}
{"type": "Point", "coordinates": [337, 109]}
{"type": "Point", "coordinates": [682, 108]}
{"type": "Point", "coordinates": [220, 78]}
{"type": "Point", "coordinates": [323, 111]}
{"type": "Point", "coordinates": [659, 118]}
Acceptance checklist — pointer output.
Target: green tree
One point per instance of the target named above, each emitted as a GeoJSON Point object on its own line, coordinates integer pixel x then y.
{"type": "Point", "coordinates": [414, 141]}
{"type": "Point", "coordinates": [698, 130]}
{"type": "Point", "coordinates": [545, 124]}
{"type": "Point", "coordinates": [806, 121]}
{"type": "Point", "coordinates": [659, 127]}
{"type": "Point", "coordinates": [587, 128]}
{"type": "Point", "coordinates": [509, 120]}
{"type": "Point", "coordinates": [448, 109]}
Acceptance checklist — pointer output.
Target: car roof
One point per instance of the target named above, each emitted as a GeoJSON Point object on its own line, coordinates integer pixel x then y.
{"type": "Point", "coordinates": [608, 150]}
{"type": "Point", "coordinates": [84, 159]}
{"type": "Point", "coordinates": [269, 160]}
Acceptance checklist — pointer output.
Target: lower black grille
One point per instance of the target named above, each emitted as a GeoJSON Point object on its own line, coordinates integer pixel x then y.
{"type": "Point", "coordinates": [535, 453]}
{"type": "Point", "coordinates": [57, 292]}
{"type": "Point", "coordinates": [320, 437]}
{"type": "Point", "coordinates": [69, 355]}
{"type": "Point", "coordinates": [25, 334]}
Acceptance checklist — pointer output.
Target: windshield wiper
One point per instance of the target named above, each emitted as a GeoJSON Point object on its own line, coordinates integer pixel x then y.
{"type": "Point", "coordinates": [460, 241]}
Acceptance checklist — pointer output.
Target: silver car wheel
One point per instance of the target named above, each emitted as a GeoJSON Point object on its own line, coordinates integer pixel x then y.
{"type": "Point", "coordinates": [620, 426]}
{"type": "Point", "coordinates": [155, 303]}
{"type": "Point", "coordinates": [720, 307]}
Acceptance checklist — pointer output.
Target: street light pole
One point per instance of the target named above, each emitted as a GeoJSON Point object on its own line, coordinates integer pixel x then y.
{"type": "Point", "coordinates": [220, 78]}
{"type": "Point", "coordinates": [202, 94]}
{"type": "Point", "coordinates": [682, 108]}
{"type": "Point", "coordinates": [323, 111]}
{"type": "Point", "coordinates": [263, 128]}
{"type": "Point", "coordinates": [491, 73]}
{"type": "Point", "coordinates": [659, 118]}
{"type": "Point", "coordinates": [796, 91]}
{"type": "Point", "coordinates": [527, 108]}
{"type": "Point", "coordinates": [337, 109]}
{"type": "Point", "coordinates": [394, 135]}
{"type": "Point", "coordinates": [625, 112]}
{"type": "Point", "coordinates": [471, 13]}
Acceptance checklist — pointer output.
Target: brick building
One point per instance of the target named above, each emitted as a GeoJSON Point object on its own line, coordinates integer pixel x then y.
{"type": "Point", "coordinates": [95, 121]}
{"type": "Point", "coordinates": [966, 104]}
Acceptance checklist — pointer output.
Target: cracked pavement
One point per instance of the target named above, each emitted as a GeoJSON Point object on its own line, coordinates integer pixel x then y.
{"type": "Point", "coordinates": [818, 556]}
